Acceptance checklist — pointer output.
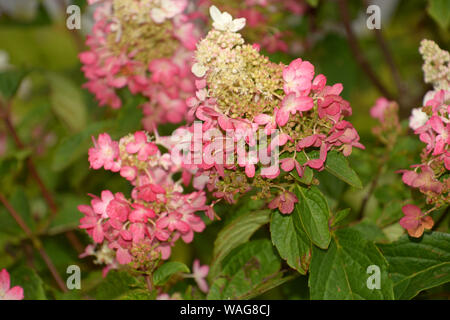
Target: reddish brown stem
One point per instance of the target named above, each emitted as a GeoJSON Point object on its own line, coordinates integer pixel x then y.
{"type": "Point", "coordinates": [36, 242]}
{"type": "Point", "coordinates": [34, 173]}
{"type": "Point", "coordinates": [31, 167]}
{"type": "Point", "coordinates": [390, 62]}
{"type": "Point", "coordinates": [148, 281]}
{"type": "Point", "coordinates": [357, 52]}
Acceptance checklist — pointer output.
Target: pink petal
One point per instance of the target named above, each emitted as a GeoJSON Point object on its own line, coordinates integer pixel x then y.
{"type": "Point", "coordinates": [411, 210]}
{"type": "Point", "coordinates": [123, 257]}
{"type": "Point", "coordinates": [4, 281]}
{"type": "Point", "coordinates": [15, 293]}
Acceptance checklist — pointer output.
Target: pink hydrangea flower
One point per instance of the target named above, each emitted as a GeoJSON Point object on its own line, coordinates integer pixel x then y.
{"type": "Point", "coordinates": [298, 77]}
{"type": "Point", "coordinates": [6, 292]}
{"type": "Point", "coordinates": [284, 202]}
{"type": "Point", "coordinates": [377, 111]}
{"type": "Point", "coordinates": [199, 273]}
{"type": "Point", "coordinates": [157, 213]}
{"type": "Point", "coordinates": [163, 71]}
{"type": "Point", "coordinates": [442, 137]}
{"type": "Point", "coordinates": [414, 221]}
{"type": "Point", "coordinates": [345, 135]}
{"type": "Point", "coordinates": [104, 154]}
{"type": "Point", "coordinates": [298, 110]}
{"type": "Point", "coordinates": [141, 146]}
{"type": "Point", "coordinates": [292, 104]}
{"type": "Point", "coordinates": [424, 180]}
{"type": "Point", "coordinates": [112, 65]}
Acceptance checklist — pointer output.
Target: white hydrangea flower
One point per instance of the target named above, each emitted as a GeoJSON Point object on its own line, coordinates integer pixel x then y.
{"type": "Point", "coordinates": [417, 119]}
{"type": "Point", "coordinates": [428, 96]}
{"type": "Point", "coordinates": [167, 9]}
{"type": "Point", "coordinates": [158, 15]}
{"type": "Point", "coordinates": [224, 21]}
{"type": "Point", "coordinates": [199, 70]}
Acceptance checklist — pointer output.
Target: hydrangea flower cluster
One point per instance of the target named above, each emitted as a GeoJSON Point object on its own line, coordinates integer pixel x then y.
{"type": "Point", "coordinates": [262, 13]}
{"type": "Point", "coordinates": [386, 112]}
{"type": "Point", "coordinates": [432, 124]}
{"type": "Point", "coordinates": [287, 111]}
{"type": "Point", "coordinates": [140, 229]}
{"type": "Point", "coordinates": [145, 46]}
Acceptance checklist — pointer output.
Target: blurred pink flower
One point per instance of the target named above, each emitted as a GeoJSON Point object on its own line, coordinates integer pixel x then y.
{"type": "Point", "coordinates": [199, 273]}
{"type": "Point", "coordinates": [6, 292]}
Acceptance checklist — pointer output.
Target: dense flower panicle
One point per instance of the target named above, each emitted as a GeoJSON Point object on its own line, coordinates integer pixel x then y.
{"type": "Point", "coordinates": [432, 125]}
{"type": "Point", "coordinates": [259, 14]}
{"type": "Point", "coordinates": [431, 176]}
{"type": "Point", "coordinates": [243, 94]}
{"type": "Point", "coordinates": [6, 292]}
{"type": "Point", "coordinates": [145, 46]}
{"type": "Point", "coordinates": [436, 67]}
{"type": "Point", "coordinates": [142, 228]}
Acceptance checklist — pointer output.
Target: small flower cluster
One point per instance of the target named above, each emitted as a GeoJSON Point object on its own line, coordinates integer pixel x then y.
{"type": "Point", "coordinates": [142, 229]}
{"type": "Point", "coordinates": [241, 92]}
{"type": "Point", "coordinates": [262, 13]}
{"type": "Point", "coordinates": [432, 124]}
{"type": "Point", "coordinates": [6, 292]}
{"type": "Point", "coordinates": [386, 112]}
{"type": "Point", "coordinates": [145, 46]}
{"type": "Point", "coordinates": [436, 66]}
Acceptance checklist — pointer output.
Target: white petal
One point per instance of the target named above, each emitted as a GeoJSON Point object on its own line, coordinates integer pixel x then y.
{"type": "Point", "coordinates": [198, 70]}
{"type": "Point", "coordinates": [219, 26]}
{"type": "Point", "coordinates": [158, 15]}
{"type": "Point", "coordinates": [215, 13]}
{"type": "Point", "coordinates": [237, 24]}
{"type": "Point", "coordinates": [226, 18]}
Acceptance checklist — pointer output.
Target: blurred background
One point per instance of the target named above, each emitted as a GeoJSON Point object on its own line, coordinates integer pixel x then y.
{"type": "Point", "coordinates": [47, 119]}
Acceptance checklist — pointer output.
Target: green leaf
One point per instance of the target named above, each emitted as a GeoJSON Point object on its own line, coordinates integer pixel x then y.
{"type": "Point", "coordinates": [140, 294]}
{"type": "Point", "coordinates": [245, 270]}
{"type": "Point", "coordinates": [10, 81]}
{"type": "Point", "coordinates": [341, 271]}
{"type": "Point", "coordinates": [340, 216]}
{"type": "Point", "coordinates": [115, 285]}
{"type": "Point", "coordinates": [338, 166]}
{"type": "Point", "coordinates": [68, 216]}
{"type": "Point", "coordinates": [291, 240]}
{"type": "Point", "coordinates": [163, 273]}
{"type": "Point", "coordinates": [67, 102]}
{"type": "Point", "coordinates": [312, 208]}
{"type": "Point", "coordinates": [130, 114]}
{"type": "Point", "coordinates": [267, 285]}
{"type": "Point", "coordinates": [418, 264]}
{"type": "Point", "coordinates": [369, 231]}
{"type": "Point", "coordinates": [439, 10]}
{"type": "Point", "coordinates": [31, 283]}
{"type": "Point", "coordinates": [19, 202]}
{"type": "Point", "coordinates": [238, 231]}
